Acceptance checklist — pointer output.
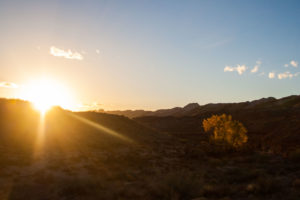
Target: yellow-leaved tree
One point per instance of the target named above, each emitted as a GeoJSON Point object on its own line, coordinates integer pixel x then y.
{"type": "Point", "coordinates": [226, 130]}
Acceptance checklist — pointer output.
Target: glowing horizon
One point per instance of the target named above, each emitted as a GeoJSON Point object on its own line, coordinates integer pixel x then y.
{"type": "Point", "coordinates": [45, 93]}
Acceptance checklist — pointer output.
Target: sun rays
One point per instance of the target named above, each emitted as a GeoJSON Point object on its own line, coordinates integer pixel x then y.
{"type": "Point", "coordinates": [39, 143]}
{"type": "Point", "coordinates": [101, 127]}
{"type": "Point", "coordinates": [44, 94]}
{"type": "Point", "coordinates": [60, 121]}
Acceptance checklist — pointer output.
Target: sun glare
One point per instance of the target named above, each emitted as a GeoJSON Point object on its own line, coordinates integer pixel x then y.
{"type": "Point", "coordinates": [46, 93]}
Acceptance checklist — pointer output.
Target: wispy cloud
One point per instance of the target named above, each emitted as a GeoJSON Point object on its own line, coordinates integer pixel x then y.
{"type": "Point", "coordinates": [294, 63]}
{"type": "Point", "coordinates": [229, 69]}
{"type": "Point", "coordinates": [286, 65]}
{"type": "Point", "coordinates": [66, 54]}
{"type": "Point", "coordinates": [8, 85]}
{"type": "Point", "coordinates": [240, 69]}
{"type": "Point", "coordinates": [97, 51]}
{"type": "Point", "coordinates": [255, 68]}
{"type": "Point", "coordinates": [271, 75]}
{"type": "Point", "coordinates": [287, 75]}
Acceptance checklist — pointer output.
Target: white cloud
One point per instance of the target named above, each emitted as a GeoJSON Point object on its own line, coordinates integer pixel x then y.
{"type": "Point", "coordinates": [229, 69]}
{"type": "Point", "coordinates": [239, 68]}
{"type": "Point", "coordinates": [284, 75]}
{"type": "Point", "coordinates": [271, 75]}
{"type": "Point", "coordinates": [8, 85]}
{"type": "Point", "coordinates": [287, 75]}
{"type": "Point", "coordinates": [255, 68]}
{"type": "Point", "coordinates": [286, 65]}
{"type": "Point", "coordinates": [66, 54]}
{"type": "Point", "coordinates": [97, 51]}
{"type": "Point", "coordinates": [261, 74]}
{"type": "Point", "coordinates": [294, 63]}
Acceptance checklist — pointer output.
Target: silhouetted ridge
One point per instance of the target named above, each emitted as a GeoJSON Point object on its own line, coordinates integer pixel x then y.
{"type": "Point", "coordinates": [273, 124]}
{"type": "Point", "coordinates": [191, 106]}
{"type": "Point", "coordinates": [176, 111]}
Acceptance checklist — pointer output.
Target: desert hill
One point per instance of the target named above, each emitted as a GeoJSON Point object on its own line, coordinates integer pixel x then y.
{"type": "Point", "coordinates": [91, 155]}
{"type": "Point", "coordinates": [74, 154]}
{"type": "Point", "coordinates": [20, 124]}
{"type": "Point", "coordinates": [273, 124]}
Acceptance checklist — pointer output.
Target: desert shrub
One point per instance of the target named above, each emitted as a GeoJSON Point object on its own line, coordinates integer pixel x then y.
{"type": "Point", "coordinates": [220, 191]}
{"type": "Point", "coordinates": [296, 183]}
{"type": "Point", "coordinates": [241, 175]}
{"type": "Point", "coordinates": [176, 185]}
{"type": "Point", "coordinates": [295, 155]}
{"type": "Point", "coordinates": [76, 187]}
{"type": "Point", "coordinates": [266, 185]}
{"type": "Point", "coordinates": [258, 157]}
{"type": "Point", "coordinates": [194, 153]}
{"type": "Point", "coordinates": [225, 130]}
{"type": "Point", "coordinates": [215, 162]}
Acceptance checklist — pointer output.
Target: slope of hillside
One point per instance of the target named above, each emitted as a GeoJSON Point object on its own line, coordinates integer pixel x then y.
{"type": "Point", "coordinates": [19, 118]}
{"type": "Point", "coordinates": [89, 155]}
{"type": "Point", "coordinates": [272, 124]}
{"type": "Point", "coordinates": [71, 153]}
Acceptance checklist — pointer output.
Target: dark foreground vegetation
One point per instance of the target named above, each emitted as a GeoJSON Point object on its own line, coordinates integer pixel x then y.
{"type": "Point", "coordinates": [92, 155]}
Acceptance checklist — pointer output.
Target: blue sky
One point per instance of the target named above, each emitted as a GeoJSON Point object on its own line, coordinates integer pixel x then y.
{"type": "Point", "coordinates": [153, 54]}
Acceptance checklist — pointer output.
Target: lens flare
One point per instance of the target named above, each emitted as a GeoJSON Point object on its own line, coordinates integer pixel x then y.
{"type": "Point", "coordinates": [46, 93]}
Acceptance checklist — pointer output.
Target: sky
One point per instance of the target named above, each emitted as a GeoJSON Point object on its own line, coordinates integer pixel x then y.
{"type": "Point", "coordinates": [151, 54]}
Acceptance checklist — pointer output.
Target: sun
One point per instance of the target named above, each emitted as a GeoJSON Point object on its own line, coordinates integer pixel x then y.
{"type": "Point", "coordinates": [46, 93]}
